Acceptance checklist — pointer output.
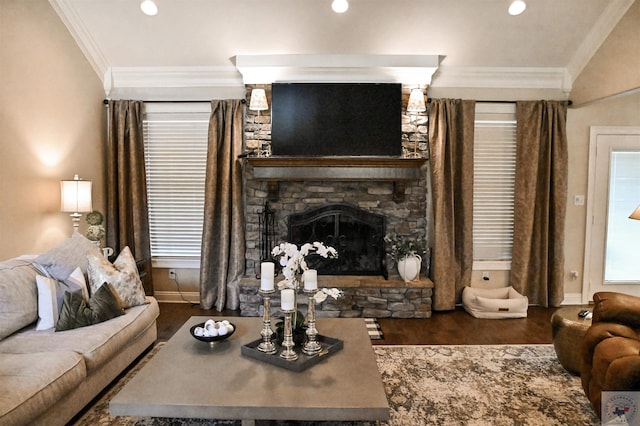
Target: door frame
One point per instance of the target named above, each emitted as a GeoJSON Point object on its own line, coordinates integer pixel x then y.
{"type": "Point", "coordinates": [595, 132]}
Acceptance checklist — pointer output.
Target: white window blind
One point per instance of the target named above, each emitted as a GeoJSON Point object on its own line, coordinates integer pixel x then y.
{"type": "Point", "coordinates": [175, 138]}
{"type": "Point", "coordinates": [494, 177]}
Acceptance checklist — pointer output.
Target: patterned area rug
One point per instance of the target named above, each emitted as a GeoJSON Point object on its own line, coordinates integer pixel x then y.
{"type": "Point", "coordinates": [481, 385]}
{"type": "Point", "coordinates": [439, 385]}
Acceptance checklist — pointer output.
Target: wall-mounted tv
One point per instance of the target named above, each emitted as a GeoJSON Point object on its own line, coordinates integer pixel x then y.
{"type": "Point", "coordinates": [336, 119]}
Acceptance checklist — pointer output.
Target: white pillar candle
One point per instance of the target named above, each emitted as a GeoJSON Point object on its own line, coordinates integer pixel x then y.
{"type": "Point", "coordinates": [310, 279]}
{"type": "Point", "coordinates": [287, 299]}
{"type": "Point", "coordinates": [267, 270]}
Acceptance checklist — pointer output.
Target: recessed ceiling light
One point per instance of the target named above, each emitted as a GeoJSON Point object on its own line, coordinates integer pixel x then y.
{"type": "Point", "coordinates": [517, 7]}
{"type": "Point", "coordinates": [339, 6]}
{"type": "Point", "coordinates": [148, 7]}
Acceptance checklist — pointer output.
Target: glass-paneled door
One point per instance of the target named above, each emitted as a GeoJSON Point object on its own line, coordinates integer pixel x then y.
{"type": "Point", "coordinates": [612, 256]}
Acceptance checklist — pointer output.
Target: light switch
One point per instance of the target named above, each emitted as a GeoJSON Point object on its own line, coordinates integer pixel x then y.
{"type": "Point", "coordinates": [578, 200]}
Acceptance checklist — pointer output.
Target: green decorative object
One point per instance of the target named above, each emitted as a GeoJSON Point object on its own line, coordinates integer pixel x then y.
{"type": "Point", "coordinates": [95, 218]}
{"type": "Point", "coordinates": [400, 246]}
{"type": "Point", "coordinates": [95, 230]}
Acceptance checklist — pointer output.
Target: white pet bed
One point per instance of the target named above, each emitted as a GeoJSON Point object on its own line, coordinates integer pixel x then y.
{"type": "Point", "coordinates": [504, 302]}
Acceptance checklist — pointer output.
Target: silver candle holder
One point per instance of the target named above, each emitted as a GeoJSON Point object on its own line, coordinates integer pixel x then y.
{"type": "Point", "coordinates": [288, 353]}
{"type": "Point", "coordinates": [267, 346]}
{"type": "Point", "coordinates": [311, 346]}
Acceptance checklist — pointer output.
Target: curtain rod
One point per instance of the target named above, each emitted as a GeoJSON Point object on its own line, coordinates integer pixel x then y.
{"type": "Point", "coordinates": [106, 102]}
{"type": "Point", "coordinates": [500, 102]}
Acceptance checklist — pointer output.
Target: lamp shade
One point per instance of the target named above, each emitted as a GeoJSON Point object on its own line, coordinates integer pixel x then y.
{"type": "Point", "coordinates": [416, 101]}
{"type": "Point", "coordinates": [258, 100]}
{"type": "Point", "coordinates": [635, 214]}
{"type": "Point", "coordinates": [75, 195]}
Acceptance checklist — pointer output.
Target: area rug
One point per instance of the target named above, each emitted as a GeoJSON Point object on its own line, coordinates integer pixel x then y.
{"type": "Point", "coordinates": [439, 385]}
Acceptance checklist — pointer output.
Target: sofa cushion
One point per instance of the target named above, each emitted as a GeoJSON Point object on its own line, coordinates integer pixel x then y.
{"type": "Point", "coordinates": [76, 313]}
{"type": "Point", "coordinates": [61, 260]}
{"type": "Point", "coordinates": [51, 296]}
{"type": "Point", "coordinates": [122, 275]}
{"type": "Point", "coordinates": [18, 296]}
{"type": "Point", "coordinates": [97, 343]}
{"type": "Point", "coordinates": [34, 382]}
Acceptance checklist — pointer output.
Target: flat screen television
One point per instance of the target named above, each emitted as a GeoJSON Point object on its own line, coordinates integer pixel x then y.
{"type": "Point", "coordinates": [336, 119]}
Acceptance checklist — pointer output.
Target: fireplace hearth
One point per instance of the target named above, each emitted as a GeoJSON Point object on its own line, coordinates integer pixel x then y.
{"type": "Point", "coordinates": [357, 235]}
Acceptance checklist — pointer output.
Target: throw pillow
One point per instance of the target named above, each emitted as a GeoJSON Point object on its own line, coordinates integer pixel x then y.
{"type": "Point", "coordinates": [51, 295]}
{"type": "Point", "coordinates": [76, 313]}
{"type": "Point", "coordinates": [61, 260]}
{"type": "Point", "coordinates": [77, 278]}
{"type": "Point", "coordinates": [122, 275]}
{"type": "Point", "coordinates": [47, 303]}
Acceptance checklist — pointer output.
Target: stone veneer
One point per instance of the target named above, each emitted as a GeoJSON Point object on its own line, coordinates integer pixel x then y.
{"type": "Point", "coordinates": [392, 298]}
{"type": "Point", "coordinates": [362, 297]}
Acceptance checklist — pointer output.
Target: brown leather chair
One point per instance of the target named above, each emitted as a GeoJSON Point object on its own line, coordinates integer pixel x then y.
{"type": "Point", "coordinates": [611, 347]}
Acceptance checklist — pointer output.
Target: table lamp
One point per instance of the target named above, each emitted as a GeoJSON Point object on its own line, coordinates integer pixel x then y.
{"type": "Point", "coordinates": [75, 198]}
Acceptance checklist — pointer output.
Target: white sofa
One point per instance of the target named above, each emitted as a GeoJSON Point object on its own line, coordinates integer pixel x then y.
{"type": "Point", "coordinates": [48, 376]}
{"type": "Point", "coordinates": [494, 303]}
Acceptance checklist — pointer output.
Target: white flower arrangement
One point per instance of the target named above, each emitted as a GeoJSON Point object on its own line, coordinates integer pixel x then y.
{"type": "Point", "coordinates": [293, 262]}
{"type": "Point", "coordinates": [321, 295]}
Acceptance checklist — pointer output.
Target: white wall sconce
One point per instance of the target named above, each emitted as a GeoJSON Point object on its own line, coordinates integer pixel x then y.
{"type": "Point", "coordinates": [416, 102]}
{"type": "Point", "coordinates": [415, 106]}
{"type": "Point", "coordinates": [75, 198]}
{"type": "Point", "coordinates": [258, 103]}
{"type": "Point", "coordinates": [258, 100]}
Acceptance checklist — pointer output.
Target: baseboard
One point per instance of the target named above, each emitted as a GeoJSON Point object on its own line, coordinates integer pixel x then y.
{"type": "Point", "coordinates": [177, 297]}
{"type": "Point", "coordinates": [572, 299]}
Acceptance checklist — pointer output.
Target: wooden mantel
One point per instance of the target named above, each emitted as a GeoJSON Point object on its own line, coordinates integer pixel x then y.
{"type": "Point", "coordinates": [394, 169]}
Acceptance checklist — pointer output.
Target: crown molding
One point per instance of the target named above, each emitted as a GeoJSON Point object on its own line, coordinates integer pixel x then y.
{"type": "Point", "coordinates": [205, 83]}
{"type": "Point", "coordinates": [503, 78]}
{"type": "Point", "coordinates": [407, 69]}
{"type": "Point", "coordinates": [169, 83]}
{"type": "Point", "coordinates": [81, 35]}
{"type": "Point", "coordinates": [609, 19]}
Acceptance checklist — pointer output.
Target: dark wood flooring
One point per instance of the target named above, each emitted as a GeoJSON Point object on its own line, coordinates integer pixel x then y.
{"type": "Point", "coordinates": [443, 328]}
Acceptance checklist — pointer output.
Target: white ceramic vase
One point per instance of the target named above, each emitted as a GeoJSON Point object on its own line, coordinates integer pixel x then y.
{"type": "Point", "coordinates": [409, 267]}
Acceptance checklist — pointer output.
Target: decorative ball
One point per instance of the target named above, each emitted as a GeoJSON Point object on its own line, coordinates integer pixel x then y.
{"type": "Point", "coordinates": [95, 218]}
{"type": "Point", "coordinates": [95, 232]}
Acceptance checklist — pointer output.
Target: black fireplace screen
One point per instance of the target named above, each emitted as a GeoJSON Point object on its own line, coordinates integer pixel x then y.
{"type": "Point", "coordinates": [357, 235]}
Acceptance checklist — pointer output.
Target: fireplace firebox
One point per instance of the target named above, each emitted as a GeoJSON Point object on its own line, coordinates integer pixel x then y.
{"type": "Point", "coordinates": [357, 235]}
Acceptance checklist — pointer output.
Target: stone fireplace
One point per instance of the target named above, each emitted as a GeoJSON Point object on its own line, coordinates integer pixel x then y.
{"type": "Point", "coordinates": [390, 193]}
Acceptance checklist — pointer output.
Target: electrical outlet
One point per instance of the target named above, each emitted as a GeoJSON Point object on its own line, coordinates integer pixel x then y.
{"type": "Point", "coordinates": [172, 274]}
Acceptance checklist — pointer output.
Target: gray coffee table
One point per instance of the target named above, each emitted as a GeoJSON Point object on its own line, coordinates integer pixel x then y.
{"type": "Point", "coordinates": [191, 379]}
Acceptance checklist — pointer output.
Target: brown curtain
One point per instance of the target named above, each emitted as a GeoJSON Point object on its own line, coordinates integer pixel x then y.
{"type": "Point", "coordinates": [127, 215]}
{"type": "Point", "coordinates": [451, 129]}
{"type": "Point", "coordinates": [537, 267]}
{"type": "Point", "coordinates": [222, 259]}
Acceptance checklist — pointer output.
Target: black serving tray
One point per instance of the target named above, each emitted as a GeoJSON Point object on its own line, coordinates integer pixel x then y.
{"type": "Point", "coordinates": [329, 347]}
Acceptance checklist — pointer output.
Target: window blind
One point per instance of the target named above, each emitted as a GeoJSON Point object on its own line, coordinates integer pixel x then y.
{"type": "Point", "coordinates": [494, 177]}
{"type": "Point", "coordinates": [175, 137]}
